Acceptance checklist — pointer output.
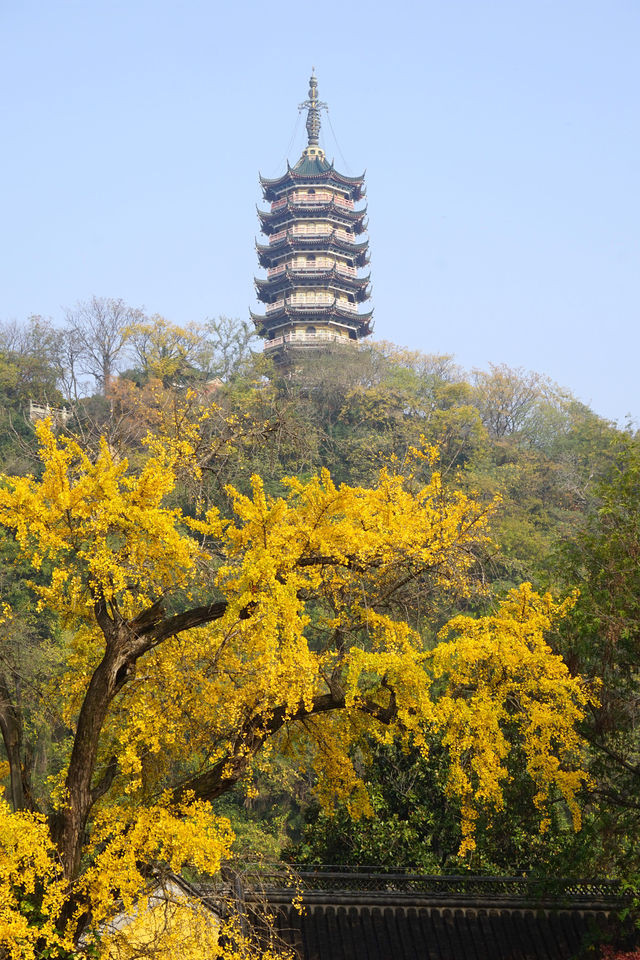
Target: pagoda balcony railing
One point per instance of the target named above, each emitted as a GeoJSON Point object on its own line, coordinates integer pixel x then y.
{"type": "Point", "coordinates": [322, 230]}
{"type": "Point", "coordinates": [302, 231]}
{"type": "Point", "coordinates": [319, 200]}
{"type": "Point", "coordinates": [302, 198]}
{"type": "Point", "coordinates": [309, 339]}
{"type": "Point", "coordinates": [318, 269]}
{"type": "Point", "coordinates": [323, 196]}
{"type": "Point", "coordinates": [302, 301]}
{"type": "Point", "coordinates": [339, 234]}
{"type": "Point", "coordinates": [323, 268]}
{"type": "Point", "coordinates": [312, 230]}
{"type": "Point", "coordinates": [309, 306]}
{"type": "Point", "coordinates": [274, 307]}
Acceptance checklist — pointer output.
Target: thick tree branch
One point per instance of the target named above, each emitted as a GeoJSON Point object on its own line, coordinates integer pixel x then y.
{"type": "Point", "coordinates": [101, 611]}
{"type": "Point", "coordinates": [226, 772]}
{"type": "Point", "coordinates": [108, 678]}
{"type": "Point", "coordinates": [11, 728]}
{"type": "Point", "coordinates": [104, 783]}
{"type": "Point", "coordinates": [155, 633]}
{"type": "Point", "coordinates": [229, 770]}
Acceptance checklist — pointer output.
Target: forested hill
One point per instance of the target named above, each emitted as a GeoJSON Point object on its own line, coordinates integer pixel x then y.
{"type": "Point", "coordinates": [505, 432]}
{"type": "Point", "coordinates": [559, 484]}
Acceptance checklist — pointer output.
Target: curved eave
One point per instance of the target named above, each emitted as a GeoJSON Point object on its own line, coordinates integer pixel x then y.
{"type": "Point", "coordinates": [289, 313]}
{"type": "Point", "coordinates": [308, 279]}
{"type": "Point", "coordinates": [329, 276]}
{"type": "Point", "coordinates": [273, 220]}
{"type": "Point", "coordinates": [270, 297]}
{"type": "Point", "coordinates": [273, 187]}
{"type": "Point", "coordinates": [327, 241]}
{"type": "Point", "coordinates": [270, 256]}
{"type": "Point", "coordinates": [359, 317]}
{"type": "Point", "coordinates": [313, 210]}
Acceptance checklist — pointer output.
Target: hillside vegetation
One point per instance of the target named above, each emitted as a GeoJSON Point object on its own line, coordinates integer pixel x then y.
{"type": "Point", "coordinates": [390, 607]}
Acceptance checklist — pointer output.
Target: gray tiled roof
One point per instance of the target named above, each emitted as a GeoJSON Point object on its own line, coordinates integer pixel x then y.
{"type": "Point", "coordinates": [356, 916]}
{"type": "Point", "coordinates": [375, 932]}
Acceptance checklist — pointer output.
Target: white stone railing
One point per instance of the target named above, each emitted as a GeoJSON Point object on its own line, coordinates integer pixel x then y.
{"type": "Point", "coordinates": [40, 411]}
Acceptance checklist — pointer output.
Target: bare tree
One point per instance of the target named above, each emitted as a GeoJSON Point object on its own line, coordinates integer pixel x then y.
{"type": "Point", "coordinates": [32, 361]}
{"type": "Point", "coordinates": [230, 342]}
{"type": "Point", "coordinates": [100, 331]}
{"type": "Point", "coordinates": [507, 398]}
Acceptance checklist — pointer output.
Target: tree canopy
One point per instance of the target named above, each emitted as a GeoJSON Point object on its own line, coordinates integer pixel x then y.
{"type": "Point", "coordinates": [289, 625]}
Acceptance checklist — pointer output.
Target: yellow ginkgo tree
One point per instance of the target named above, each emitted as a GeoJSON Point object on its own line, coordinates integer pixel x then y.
{"type": "Point", "coordinates": [195, 642]}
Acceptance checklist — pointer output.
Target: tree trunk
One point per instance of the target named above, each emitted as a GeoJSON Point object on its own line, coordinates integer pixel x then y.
{"type": "Point", "coordinates": [11, 728]}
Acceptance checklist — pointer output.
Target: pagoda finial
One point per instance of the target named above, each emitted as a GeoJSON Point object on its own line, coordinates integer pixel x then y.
{"type": "Point", "coordinates": [313, 106]}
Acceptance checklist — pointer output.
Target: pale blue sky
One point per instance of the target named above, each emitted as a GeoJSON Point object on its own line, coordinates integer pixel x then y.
{"type": "Point", "coordinates": [501, 143]}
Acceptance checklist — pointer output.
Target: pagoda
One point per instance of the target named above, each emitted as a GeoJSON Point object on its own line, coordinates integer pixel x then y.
{"type": "Point", "coordinates": [315, 251]}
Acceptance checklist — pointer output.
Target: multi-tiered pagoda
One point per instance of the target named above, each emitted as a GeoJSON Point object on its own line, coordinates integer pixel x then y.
{"type": "Point", "coordinates": [315, 251]}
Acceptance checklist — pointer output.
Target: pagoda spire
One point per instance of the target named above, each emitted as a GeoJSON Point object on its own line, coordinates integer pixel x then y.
{"type": "Point", "coordinates": [313, 106]}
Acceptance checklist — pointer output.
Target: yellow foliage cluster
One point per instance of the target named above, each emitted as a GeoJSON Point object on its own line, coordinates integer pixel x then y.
{"type": "Point", "coordinates": [497, 675]}
{"type": "Point", "coordinates": [32, 887]}
{"type": "Point", "coordinates": [33, 890]}
{"type": "Point", "coordinates": [104, 531]}
{"type": "Point", "coordinates": [123, 840]}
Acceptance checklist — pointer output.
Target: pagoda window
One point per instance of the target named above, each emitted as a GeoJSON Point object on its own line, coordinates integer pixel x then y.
{"type": "Point", "coordinates": [311, 331]}
{"type": "Point", "coordinates": [311, 228]}
{"type": "Point", "coordinates": [317, 297]}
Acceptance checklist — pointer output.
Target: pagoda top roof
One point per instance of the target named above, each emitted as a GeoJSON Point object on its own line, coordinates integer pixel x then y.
{"type": "Point", "coordinates": [314, 169]}
{"type": "Point", "coordinates": [312, 164]}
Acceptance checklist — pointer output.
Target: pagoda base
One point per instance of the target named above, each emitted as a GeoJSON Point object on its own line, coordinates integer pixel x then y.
{"type": "Point", "coordinates": [286, 348]}
{"type": "Point", "coordinates": [309, 341]}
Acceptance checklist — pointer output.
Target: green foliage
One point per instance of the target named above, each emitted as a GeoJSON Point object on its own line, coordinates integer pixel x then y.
{"type": "Point", "coordinates": [414, 827]}
{"type": "Point", "coordinates": [601, 639]}
{"type": "Point", "coordinates": [30, 363]}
